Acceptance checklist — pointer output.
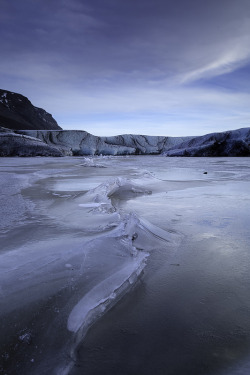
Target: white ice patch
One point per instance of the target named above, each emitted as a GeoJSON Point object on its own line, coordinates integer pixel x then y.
{"type": "Point", "coordinates": [101, 296]}
{"type": "Point", "coordinates": [117, 187]}
{"type": "Point", "coordinates": [102, 197]}
{"type": "Point", "coordinates": [112, 186]}
{"type": "Point", "coordinates": [116, 251]}
{"type": "Point", "coordinates": [91, 162]}
{"type": "Point", "coordinates": [91, 205]}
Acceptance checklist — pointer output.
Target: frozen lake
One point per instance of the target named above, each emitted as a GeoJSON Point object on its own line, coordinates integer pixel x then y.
{"type": "Point", "coordinates": [125, 265]}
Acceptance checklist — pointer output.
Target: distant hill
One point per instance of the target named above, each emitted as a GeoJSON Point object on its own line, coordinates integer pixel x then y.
{"type": "Point", "coordinates": [18, 113]}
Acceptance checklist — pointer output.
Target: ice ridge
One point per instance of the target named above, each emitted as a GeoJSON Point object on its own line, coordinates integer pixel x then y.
{"type": "Point", "coordinates": [127, 245]}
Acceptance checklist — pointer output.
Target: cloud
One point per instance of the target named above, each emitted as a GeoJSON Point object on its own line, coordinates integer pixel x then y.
{"type": "Point", "coordinates": [233, 58]}
{"type": "Point", "coordinates": [161, 111]}
{"type": "Point", "coordinates": [147, 61]}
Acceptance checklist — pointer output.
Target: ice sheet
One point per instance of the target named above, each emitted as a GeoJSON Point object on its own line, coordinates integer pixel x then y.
{"type": "Point", "coordinates": [76, 238]}
{"type": "Point", "coordinates": [83, 250]}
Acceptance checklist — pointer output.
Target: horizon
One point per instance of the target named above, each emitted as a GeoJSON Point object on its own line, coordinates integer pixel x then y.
{"type": "Point", "coordinates": [112, 67]}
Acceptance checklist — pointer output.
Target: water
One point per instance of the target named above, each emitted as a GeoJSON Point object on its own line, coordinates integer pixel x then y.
{"type": "Point", "coordinates": [188, 311]}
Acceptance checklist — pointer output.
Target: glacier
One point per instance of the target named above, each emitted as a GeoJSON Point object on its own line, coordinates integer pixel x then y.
{"type": "Point", "coordinates": [230, 143]}
{"type": "Point", "coordinates": [80, 143]}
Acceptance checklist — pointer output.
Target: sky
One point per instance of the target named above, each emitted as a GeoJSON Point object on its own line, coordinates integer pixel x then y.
{"type": "Point", "coordinates": [156, 67]}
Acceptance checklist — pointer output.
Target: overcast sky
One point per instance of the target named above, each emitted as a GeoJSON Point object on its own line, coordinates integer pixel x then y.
{"type": "Point", "coordinates": [158, 67]}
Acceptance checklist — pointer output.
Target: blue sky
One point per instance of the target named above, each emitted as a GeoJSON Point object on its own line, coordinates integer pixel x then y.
{"type": "Point", "coordinates": [110, 67]}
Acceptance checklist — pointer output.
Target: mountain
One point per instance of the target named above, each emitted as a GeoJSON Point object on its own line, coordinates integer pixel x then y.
{"type": "Point", "coordinates": [17, 112]}
{"type": "Point", "coordinates": [229, 143]}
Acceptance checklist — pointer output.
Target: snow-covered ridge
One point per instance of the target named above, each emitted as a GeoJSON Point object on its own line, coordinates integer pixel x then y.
{"type": "Point", "coordinates": [77, 142]}
{"type": "Point", "coordinates": [229, 143]}
{"type": "Point", "coordinates": [74, 142]}
{"type": "Point", "coordinates": [13, 144]}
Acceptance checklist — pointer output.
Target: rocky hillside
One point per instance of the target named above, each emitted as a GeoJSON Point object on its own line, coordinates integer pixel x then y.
{"type": "Point", "coordinates": [229, 143]}
{"type": "Point", "coordinates": [17, 112]}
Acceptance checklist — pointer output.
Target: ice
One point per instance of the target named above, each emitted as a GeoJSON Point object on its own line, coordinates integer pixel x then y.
{"type": "Point", "coordinates": [91, 162]}
{"type": "Point", "coordinates": [75, 245]}
{"type": "Point", "coordinates": [119, 188]}
{"type": "Point", "coordinates": [102, 295]}
{"type": "Point", "coordinates": [229, 143]}
{"type": "Point", "coordinates": [116, 186]}
{"type": "Point", "coordinates": [76, 239]}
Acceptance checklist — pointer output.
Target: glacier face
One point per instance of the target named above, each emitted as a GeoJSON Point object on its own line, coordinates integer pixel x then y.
{"type": "Point", "coordinates": [77, 142]}
{"type": "Point", "coordinates": [13, 144]}
{"type": "Point", "coordinates": [230, 143]}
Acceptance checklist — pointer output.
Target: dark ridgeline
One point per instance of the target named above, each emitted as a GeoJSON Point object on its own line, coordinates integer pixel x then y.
{"type": "Point", "coordinates": [18, 113]}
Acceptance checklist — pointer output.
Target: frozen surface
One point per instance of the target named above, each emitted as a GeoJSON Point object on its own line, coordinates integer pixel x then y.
{"type": "Point", "coordinates": [157, 234]}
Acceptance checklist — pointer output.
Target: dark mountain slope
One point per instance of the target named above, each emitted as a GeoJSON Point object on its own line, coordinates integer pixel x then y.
{"type": "Point", "coordinates": [17, 112]}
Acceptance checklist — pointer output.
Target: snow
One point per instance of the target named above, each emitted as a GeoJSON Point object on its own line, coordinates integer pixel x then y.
{"type": "Point", "coordinates": [4, 98]}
